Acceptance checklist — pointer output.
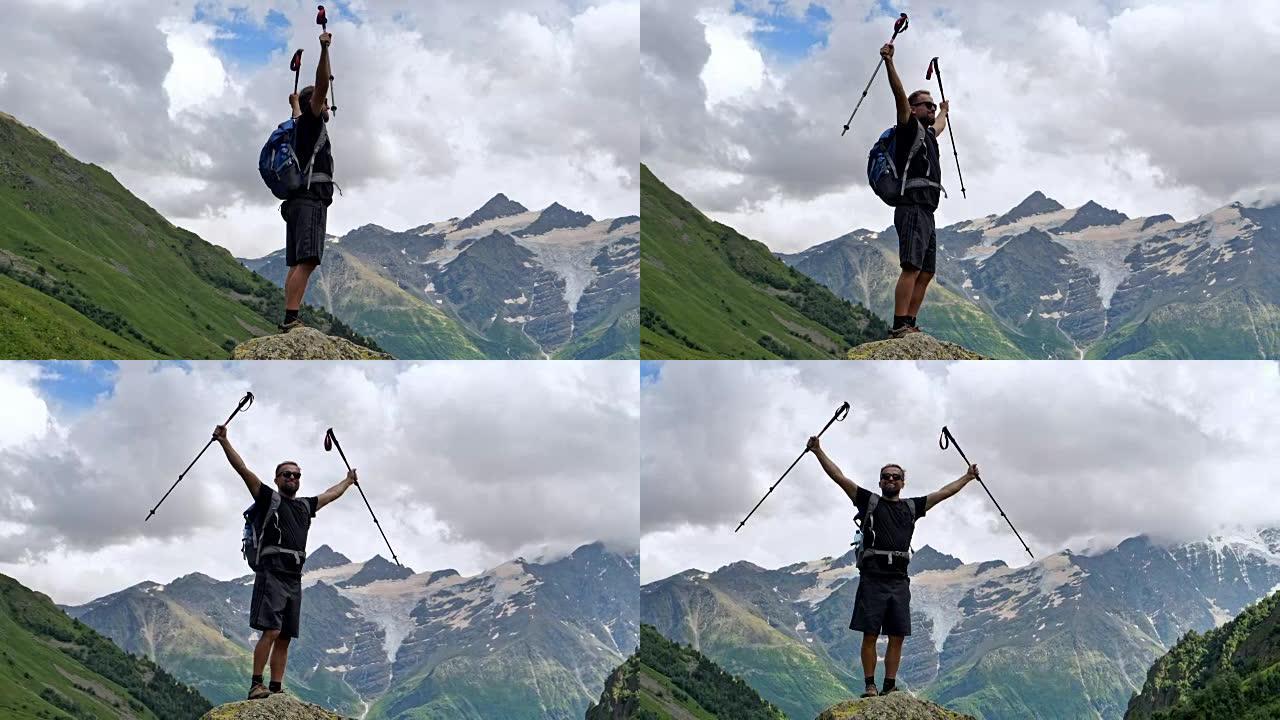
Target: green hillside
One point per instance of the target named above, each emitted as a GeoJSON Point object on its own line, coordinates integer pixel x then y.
{"type": "Point", "coordinates": [52, 666]}
{"type": "Point", "coordinates": [671, 673]}
{"type": "Point", "coordinates": [708, 292]}
{"type": "Point", "coordinates": [1228, 673]}
{"type": "Point", "coordinates": [87, 270]}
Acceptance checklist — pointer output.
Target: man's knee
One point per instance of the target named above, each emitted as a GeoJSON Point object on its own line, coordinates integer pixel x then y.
{"type": "Point", "coordinates": [282, 641]}
{"type": "Point", "coordinates": [870, 638]}
{"type": "Point", "coordinates": [270, 635]}
{"type": "Point", "coordinates": [924, 277]}
{"type": "Point", "coordinates": [910, 272]}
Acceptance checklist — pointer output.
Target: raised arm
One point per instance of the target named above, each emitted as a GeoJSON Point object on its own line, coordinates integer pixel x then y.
{"type": "Point", "coordinates": [251, 481]}
{"type": "Point", "coordinates": [895, 82]}
{"type": "Point", "coordinates": [850, 488]}
{"type": "Point", "coordinates": [336, 491]}
{"type": "Point", "coordinates": [950, 488]}
{"type": "Point", "coordinates": [940, 122]}
{"type": "Point", "coordinates": [293, 104]}
{"type": "Point", "coordinates": [320, 96]}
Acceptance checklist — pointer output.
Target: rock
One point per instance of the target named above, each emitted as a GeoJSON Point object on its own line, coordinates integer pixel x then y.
{"type": "Point", "coordinates": [304, 343]}
{"type": "Point", "coordinates": [277, 707]}
{"type": "Point", "coordinates": [916, 346]}
{"type": "Point", "coordinates": [894, 706]}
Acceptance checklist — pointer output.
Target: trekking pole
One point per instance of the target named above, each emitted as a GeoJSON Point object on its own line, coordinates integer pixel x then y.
{"type": "Point", "coordinates": [935, 68]}
{"type": "Point", "coordinates": [323, 21]}
{"type": "Point", "coordinates": [296, 66]}
{"type": "Point", "coordinates": [331, 442]}
{"type": "Point", "coordinates": [946, 440]}
{"type": "Point", "coordinates": [899, 26]}
{"type": "Point", "coordinates": [245, 402]}
{"type": "Point", "coordinates": [841, 413]}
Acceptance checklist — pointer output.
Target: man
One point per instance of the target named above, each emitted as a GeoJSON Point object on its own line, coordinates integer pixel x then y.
{"type": "Point", "coordinates": [306, 211]}
{"type": "Point", "coordinates": [276, 607]}
{"type": "Point", "coordinates": [917, 238]}
{"type": "Point", "coordinates": [883, 600]}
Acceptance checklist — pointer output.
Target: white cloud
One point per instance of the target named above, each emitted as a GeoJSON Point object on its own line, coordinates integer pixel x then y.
{"type": "Point", "coordinates": [466, 464]}
{"type": "Point", "coordinates": [1074, 452]}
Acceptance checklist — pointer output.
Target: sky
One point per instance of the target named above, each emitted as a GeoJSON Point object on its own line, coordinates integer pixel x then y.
{"type": "Point", "coordinates": [441, 105]}
{"type": "Point", "coordinates": [1143, 106]}
{"type": "Point", "coordinates": [1080, 455]}
{"type": "Point", "coordinates": [467, 465]}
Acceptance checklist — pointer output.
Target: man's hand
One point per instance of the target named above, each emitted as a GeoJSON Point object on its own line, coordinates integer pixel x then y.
{"type": "Point", "coordinates": [971, 473]}
{"type": "Point", "coordinates": [945, 106]}
{"type": "Point", "coordinates": [351, 477]}
{"type": "Point", "coordinates": [293, 100]}
{"type": "Point", "coordinates": [814, 445]}
{"type": "Point", "coordinates": [220, 434]}
{"type": "Point", "coordinates": [326, 39]}
{"type": "Point", "coordinates": [886, 52]}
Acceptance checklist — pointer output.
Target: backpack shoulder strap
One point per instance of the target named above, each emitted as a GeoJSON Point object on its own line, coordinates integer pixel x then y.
{"type": "Point", "coordinates": [272, 509]}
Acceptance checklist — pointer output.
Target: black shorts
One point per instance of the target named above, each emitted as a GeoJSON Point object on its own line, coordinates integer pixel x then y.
{"type": "Point", "coordinates": [276, 603]}
{"type": "Point", "coordinates": [917, 238]}
{"type": "Point", "coordinates": [882, 606]}
{"type": "Point", "coordinates": [305, 222]}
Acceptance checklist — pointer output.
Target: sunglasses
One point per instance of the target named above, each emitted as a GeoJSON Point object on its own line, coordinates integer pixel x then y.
{"type": "Point", "coordinates": [890, 476]}
{"type": "Point", "coordinates": [929, 105]}
{"type": "Point", "coordinates": [291, 475]}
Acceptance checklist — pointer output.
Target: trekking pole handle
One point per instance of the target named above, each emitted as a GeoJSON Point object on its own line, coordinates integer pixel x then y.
{"type": "Point", "coordinates": [900, 25]}
{"type": "Point", "coordinates": [321, 19]}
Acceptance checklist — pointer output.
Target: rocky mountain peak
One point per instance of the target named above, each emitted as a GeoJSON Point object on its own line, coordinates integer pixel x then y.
{"type": "Point", "coordinates": [555, 217]}
{"type": "Point", "coordinates": [376, 568]}
{"type": "Point", "coordinates": [1035, 204]}
{"type": "Point", "coordinates": [894, 706]}
{"type": "Point", "coordinates": [326, 557]}
{"type": "Point", "coordinates": [1091, 214]}
{"type": "Point", "coordinates": [281, 706]}
{"type": "Point", "coordinates": [927, 558]}
{"type": "Point", "coordinates": [497, 206]}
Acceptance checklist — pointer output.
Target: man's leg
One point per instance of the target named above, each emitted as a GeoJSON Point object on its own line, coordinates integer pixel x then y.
{"type": "Point", "coordinates": [279, 657]}
{"type": "Point", "coordinates": [295, 284]}
{"type": "Point", "coordinates": [917, 293]}
{"type": "Point", "coordinates": [904, 293]}
{"type": "Point", "coordinates": [892, 657]}
{"type": "Point", "coordinates": [262, 650]}
{"type": "Point", "coordinates": [869, 657]}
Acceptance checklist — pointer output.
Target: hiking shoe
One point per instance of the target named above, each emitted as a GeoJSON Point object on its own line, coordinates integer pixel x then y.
{"type": "Point", "coordinates": [913, 329]}
{"type": "Point", "coordinates": [286, 327]}
{"type": "Point", "coordinates": [259, 691]}
{"type": "Point", "coordinates": [871, 691]}
{"type": "Point", "coordinates": [899, 332]}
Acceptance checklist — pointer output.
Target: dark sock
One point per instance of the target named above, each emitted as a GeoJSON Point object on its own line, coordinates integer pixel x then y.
{"type": "Point", "coordinates": [911, 320]}
{"type": "Point", "coordinates": [899, 321]}
{"type": "Point", "coordinates": [871, 680]}
{"type": "Point", "coordinates": [257, 680]}
{"type": "Point", "coordinates": [290, 316]}
{"type": "Point", "coordinates": [274, 686]}
{"type": "Point", "coordinates": [889, 684]}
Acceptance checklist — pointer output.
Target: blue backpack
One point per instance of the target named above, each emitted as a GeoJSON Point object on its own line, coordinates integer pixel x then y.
{"type": "Point", "coordinates": [278, 163]}
{"type": "Point", "coordinates": [890, 184]}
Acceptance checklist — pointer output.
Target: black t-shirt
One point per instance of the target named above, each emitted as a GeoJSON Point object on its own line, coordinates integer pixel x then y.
{"type": "Point", "coordinates": [925, 165]}
{"type": "Point", "coordinates": [306, 134]}
{"type": "Point", "coordinates": [290, 532]}
{"type": "Point", "coordinates": [891, 530]}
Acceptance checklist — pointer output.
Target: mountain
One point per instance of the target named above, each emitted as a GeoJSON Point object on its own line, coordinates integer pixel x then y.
{"type": "Point", "coordinates": [523, 640]}
{"type": "Point", "coordinates": [89, 271]}
{"type": "Point", "coordinates": [1044, 281]}
{"type": "Point", "coordinates": [1068, 635]}
{"type": "Point", "coordinates": [1231, 672]}
{"type": "Point", "coordinates": [708, 292]}
{"type": "Point", "coordinates": [503, 282]}
{"type": "Point", "coordinates": [52, 666]}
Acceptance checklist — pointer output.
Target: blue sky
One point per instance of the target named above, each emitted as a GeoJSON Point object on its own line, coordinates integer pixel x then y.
{"type": "Point", "coordinates": [788, 37]}
{"type": "Point", "coordinates": [246, 40]}
{"type": "Point", "coordinates": [650, 372]}
{"type": "Point", "coordinates": [76, 386]}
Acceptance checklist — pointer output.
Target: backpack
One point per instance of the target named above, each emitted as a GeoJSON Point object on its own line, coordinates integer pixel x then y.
{"type": "Point", "coordinates": [864, 536]}
{"type": "Point", "coordinates": [890, 184]}
{"type": "Point", "coordinates": [278, 162]}
{"type": "Point", "coordinates": [251, 540]}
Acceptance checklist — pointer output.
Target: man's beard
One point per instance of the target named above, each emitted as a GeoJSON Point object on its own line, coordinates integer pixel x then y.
{"type": "Point", "coordinates": [288, 490]}
{"type": "Point", "coordinates": [890, 494]}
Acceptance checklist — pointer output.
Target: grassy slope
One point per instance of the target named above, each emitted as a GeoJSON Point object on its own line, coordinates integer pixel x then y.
{"type": "Point", "coordinates": [112, 270]}
{"type": "Point", "coordinates": [407, 326]}
{"type": "Point", "coordinates": [1229, 673]}
{"type": "Point", "coordinates": [708, 292]}
{"type": "Point", "coordinates": [45, 669]}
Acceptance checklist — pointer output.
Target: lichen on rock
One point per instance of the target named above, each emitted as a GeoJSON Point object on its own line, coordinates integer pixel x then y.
{"type": "Point", "coordinates": [304, 343]}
